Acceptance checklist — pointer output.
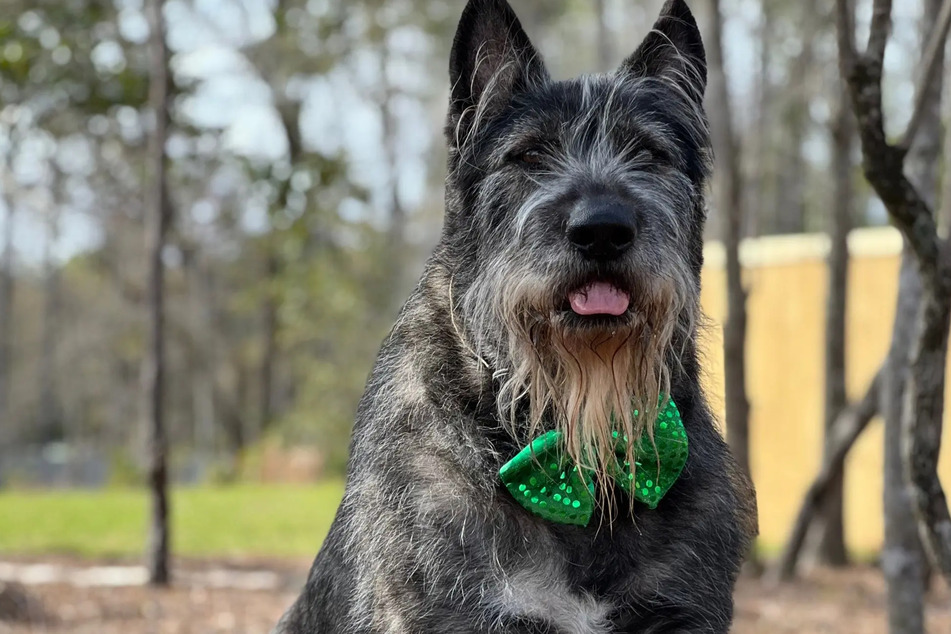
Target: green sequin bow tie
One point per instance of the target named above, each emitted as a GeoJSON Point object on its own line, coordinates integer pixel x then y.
{"type": "Point", "coordinates": [544, 480]}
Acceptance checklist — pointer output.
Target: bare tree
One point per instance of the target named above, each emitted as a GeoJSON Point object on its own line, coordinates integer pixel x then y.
{"type": "Point", "coordinates": [790, 205]}
{"type": "Point", "coordinates": [201, 351]}
{"type": "Point", "coordinates": [396, 231]}
{"type": "Point", "coordinates": [944, 211]}
{"type": "Point", "coordinates": [884, 165]}
{"type": "Point", "coordinates": [883, 394]}
{"type": "Point", "coordinates": [903, 560]}
{"type": "Point", "coordinates": [729, 204]}
{"type": "Point", "coordinates": [605, 50]}
{"type": "Point", "coordinates": [903, 557]}
{"type": "Point", "coordinates": [831, 547]}
{"type": "Point", "coordinates": [269, 331]}
{"type": "Point", "coordinates": [758, 154]}
{"type": "Point", "coordinates": [158, 219]}
{"type": "Point", "coordinates": [267, 61]}
{"type": "Point", "coordinates": [7, 285]}
{"type": "Point", "coordinates": [289, 112]}
{"type": "Point", "coordinates": [925, 133]}
{"type": "Point", "coordinates": [50, 422]}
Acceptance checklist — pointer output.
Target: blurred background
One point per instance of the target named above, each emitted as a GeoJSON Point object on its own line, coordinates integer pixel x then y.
{"type": "Point", "coordinates": [304, 162]}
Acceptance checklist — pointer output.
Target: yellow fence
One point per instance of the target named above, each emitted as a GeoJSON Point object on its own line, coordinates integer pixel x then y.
{"type": "Point", "coordinates": [787, 281]}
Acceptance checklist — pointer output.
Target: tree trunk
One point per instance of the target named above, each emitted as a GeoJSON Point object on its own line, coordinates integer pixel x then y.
{"type": "Point", "coordinates": [730, 204]}
{"type": "Point", "coordinates": [831, 549]}
{"type": "Point", "coordinates": [944, 209]}
{"type": "Point", "coordinates": [923, 412]}
{"type": "Point", "coordinates": [922, 400]}
{"type": "Point", "coordinates": [605, 53]}
{"type": "Point", "coordinates": [903, 559]}
{"type": "Point", "coordinates": [201, 353]}
{"type": "Point", "coordinates": [924, 157]}
{"type": "Point", "coordinates": [7, 286]}
{"type": "Point", "coordinates": [915, 389]}
{"type": "Point", "coordinates": [393, 274]}
{"type": "Point", "coordinates": [289, 113]}
{"type": "Point", "coordinates": [790, 206]}
{"type": "Point", "coordinates": [153, 367]}
{"type": "Point", "coordinates": [234, 426]}
{"type": "Point", "coordinates": [759, 150]}
{"type": "Point", "coordinates": [269, 325]}
{"type": "Point", "coordinates": [50, 424]}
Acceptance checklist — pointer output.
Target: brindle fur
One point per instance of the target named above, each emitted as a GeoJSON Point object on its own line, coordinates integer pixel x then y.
{"type": "Point", "coordinates": [484, 357]}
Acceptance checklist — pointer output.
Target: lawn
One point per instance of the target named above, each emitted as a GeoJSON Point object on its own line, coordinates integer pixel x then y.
{"type": "Point", "coordinates": [220, 521]}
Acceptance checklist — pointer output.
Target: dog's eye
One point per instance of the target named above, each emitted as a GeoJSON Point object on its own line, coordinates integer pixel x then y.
{"type": "Point", "coordinates": [529, 158]}
{"type": "Point", "coordinates": [650, 160]}
{"type": "Point", "coordinates": [644, 157]}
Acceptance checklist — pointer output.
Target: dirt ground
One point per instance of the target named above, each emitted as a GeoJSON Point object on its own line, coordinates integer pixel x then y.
{"type": "Point", "coordinates": [850, 602]}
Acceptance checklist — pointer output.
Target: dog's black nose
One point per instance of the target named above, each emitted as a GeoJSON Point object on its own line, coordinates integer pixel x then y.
{"type": "Point", "coordinates": [602, 228]}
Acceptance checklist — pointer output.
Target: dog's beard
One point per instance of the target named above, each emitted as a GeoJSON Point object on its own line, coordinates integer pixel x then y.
{"type": "Point", "coordinates": [586, 381]}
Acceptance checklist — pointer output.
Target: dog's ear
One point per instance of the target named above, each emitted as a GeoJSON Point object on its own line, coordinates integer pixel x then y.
{"type": "Point", "coordinates": [673, 50]}
{"type": "Point", "coordinates": [492, 59]}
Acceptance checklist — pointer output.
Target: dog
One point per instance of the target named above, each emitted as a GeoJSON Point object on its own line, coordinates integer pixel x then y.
{"type": "Point", "coordinates": [533, 452]}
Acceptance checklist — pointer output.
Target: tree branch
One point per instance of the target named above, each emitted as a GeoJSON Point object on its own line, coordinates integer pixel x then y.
{"type": "Point", "coordinates": [930, 58]}
{"type": "Point", "coordinates": [845, 17]}
{"type": "Point", "coordinates": [848, 426]}
{"type": "Point", "coordinates": [883, 162]}
{"type": "Point", "coordinates": [879, 31]}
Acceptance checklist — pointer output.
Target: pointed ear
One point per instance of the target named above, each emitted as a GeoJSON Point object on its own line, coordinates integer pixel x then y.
{"type": "Point", "coordinates": [673, 50]}
{"type": "Point", "coordinates": [492, 59]}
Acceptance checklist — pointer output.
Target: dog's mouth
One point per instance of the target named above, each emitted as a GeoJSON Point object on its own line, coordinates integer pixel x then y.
{"type": "Point", "coordinates": [593, 300]}
{"type": "Point", "coordinates": [599, 298]}
{"type": "Point", "coordinates": [595, 304]}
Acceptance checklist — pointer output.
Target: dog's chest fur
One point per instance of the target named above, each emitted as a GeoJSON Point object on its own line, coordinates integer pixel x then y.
{"type": "Point", "coordinates": [428, 540]}
{"type": "Point", "coordinates": [541, 593]}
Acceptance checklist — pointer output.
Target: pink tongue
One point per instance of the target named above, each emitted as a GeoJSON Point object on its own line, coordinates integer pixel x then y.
{"type": "Point", "coordinates": [599, 298]}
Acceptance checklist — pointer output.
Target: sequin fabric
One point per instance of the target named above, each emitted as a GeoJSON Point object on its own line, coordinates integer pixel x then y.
{"type": "Point", "coordinates": [542, 478]}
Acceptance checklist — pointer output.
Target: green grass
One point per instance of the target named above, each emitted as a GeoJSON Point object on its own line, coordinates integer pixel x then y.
{"type": "Point", "coordinates": [220, 521]}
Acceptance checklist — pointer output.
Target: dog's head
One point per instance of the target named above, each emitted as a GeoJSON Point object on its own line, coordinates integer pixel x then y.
{"type": "Point", "coordinates": [574, 222]}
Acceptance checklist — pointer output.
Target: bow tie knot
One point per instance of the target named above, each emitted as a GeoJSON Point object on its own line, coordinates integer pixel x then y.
{"type": "Point", "coordinates": [544, 479]}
